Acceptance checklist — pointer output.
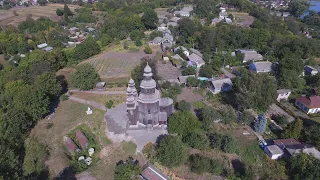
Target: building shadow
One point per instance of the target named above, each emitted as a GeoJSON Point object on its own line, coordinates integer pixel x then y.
{"type": "Point", "coordinates": [66, 174]}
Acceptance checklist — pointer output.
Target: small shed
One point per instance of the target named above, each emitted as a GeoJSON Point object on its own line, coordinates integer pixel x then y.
{"type": "Point", "coordinates": [48, 49]}
{"type": "Point", "coordinates": [71, 146]}
{"type": "Point", "coordinates": [43, 45]}
{"type": "Point", "coordinates": [101, 85]}
{"type": "Point", "coordinates": [273, 151]}
{"type": "Point", "coordinates": [82, 139]}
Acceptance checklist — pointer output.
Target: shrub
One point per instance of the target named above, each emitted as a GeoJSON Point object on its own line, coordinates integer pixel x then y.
{"type": "Point", "coordinates": [64, 97]}
{"type": "Point", "coordinates": [147, 50]}
{"type": "Point", "coordinates": [125, 45]}
{"type": "Point", "coordinates": [109, 104]}
{"type": "Point", "coordinates": [197, 140]}
{"type": "Point", "coordinates": [201, 165]}
{"type": "Point", "coordinates": [138, 43]}
{"type": "Point", "coordinates": [49, 125]}
{"type": "Point", "coordinates": [183, 106]}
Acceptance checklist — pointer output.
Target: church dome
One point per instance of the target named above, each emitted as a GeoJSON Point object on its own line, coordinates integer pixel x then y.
{"type": "Point", "coordinates": [131, 81]}
{"type": "Point", "coordinates": [147, 69]}
{"type": "Point", "coordinates": [129, 90]}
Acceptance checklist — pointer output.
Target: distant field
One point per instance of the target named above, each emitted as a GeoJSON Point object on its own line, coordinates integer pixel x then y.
{"type": "Point", "coordinates": [8, 18]}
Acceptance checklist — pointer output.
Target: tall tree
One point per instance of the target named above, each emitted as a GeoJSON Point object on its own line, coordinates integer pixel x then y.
{"type": "Point", "coordinates": [87, 49]}
{"type": "Point", "coordinates": [171, 151]}
{"type": "Point", "coordinates": [85, 77]}
{"type": "Point", "coordinates": [293, 130]}
{"type": "Point", "coordinates": [149, 18]}
{"type": "Point", "coordinates": [260, 124]}
{"type": "Point", "coordinates": [48, 84]}
{"type": "Point", "coordinates": [67, 11]}
{"type": "Point", "coordinates": [183, 122]}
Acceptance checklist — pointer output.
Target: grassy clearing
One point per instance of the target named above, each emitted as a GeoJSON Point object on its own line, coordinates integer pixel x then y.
{"type": "Point", "coordinates": [68, 115]}
{"type": "Point", "coordinates": [102, 98]}
{"type": "Point", "coordinates": [109, 156]}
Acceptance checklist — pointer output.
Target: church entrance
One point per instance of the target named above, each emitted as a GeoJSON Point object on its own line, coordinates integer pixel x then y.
{"type": "Point", "coordinates": [150, 125]}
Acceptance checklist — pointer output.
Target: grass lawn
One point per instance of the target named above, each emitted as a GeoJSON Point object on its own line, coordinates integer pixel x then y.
{"type": "Point", "coordinates": [68, 115]}
{"type": "Point", "coordinates": [102, 98]}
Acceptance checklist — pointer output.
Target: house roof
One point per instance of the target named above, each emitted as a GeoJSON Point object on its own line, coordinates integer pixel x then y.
{"type": "Point", "coordinates": [274, 149]}
{"type": "Point", "coordinates": [283, 91]}
{"type": "Point", "coordinates": [285, 142]}
{"type": "Point", "coordinates": [311, 102]}
{"type": "Point", "coordinates": [182, 13]}
{"type": "Point", "coordinates": [251, 55]}
{"type": "Point", "coordinates": [175, 19]}
{"type": "Point", "coordinates": [219, 83]}
{"type": "Point", "coordinates": [309, 68]}
{"type": "Point", "coordinates": [196, 59]}
{"type": "Point", "coordinates": [187, 9]}
{"type": "Point", "coordinates": [305, 148]}
{"type": "Point", "coordinates": [177, 56]}
{"type": "Point", "coordinates": [263, 66]}
{"type": "Point", "coordinates": [157, 40]}
{"type": "Point", "coordinates": [49, 48]}
{"type": "Point", "coordinates": [216, 20]}
{"type": "Point", "coordinates": [183, 79]}
{"type": "Point", "coordinates": [100, 84]}
{"type": "Point", "coordinates": [71, 146]}
{"type": "Point", "coordinates": [196, 52]}
{"type": "Point", "coordinates": [180, 47]}
{"type": "Point", "coordinates": [82, 139]}
{"type": "Point", "coordinates": [173, 24]}
{"type": "Point", "coordinates": [40, 46]}
{"type": "Point", "coordinates": [153, 173]}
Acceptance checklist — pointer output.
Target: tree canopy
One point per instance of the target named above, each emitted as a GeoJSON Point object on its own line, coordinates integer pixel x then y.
{"type": "Point", "coordinates": [127, 169]}
{"type": "Point", "coordinates": [183, 122]}
{"type": "Point", "coordinates": [149, 18]}
{"type": "Point", "coordinates": [85, 77]}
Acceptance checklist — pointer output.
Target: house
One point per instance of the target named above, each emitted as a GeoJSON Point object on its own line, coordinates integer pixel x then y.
{"type": "Point", "coordinates": [192, 50]}
{"type": "Point", "coordinates": [152, 173]}
{"type": "Point", "coordinates": [82, 139]}
{"type": "Point", "coordinates": [183, 49]}
{"type": "Point", "coordinates": [48, 49]}
{"type": "Point", "coordinates": [177, 57]}
{"type": "Point", "coordinates": [220, 85]}
{"type": "Point", "coordinates": [285, 14]}
{"type": "Point", "coordinates": [309, 105]}
{"type": "Point", "coordinates": [283, 94]}
{"type": "Point", "coordinates": [181, 13]}
{"type": "Point", "coordinates": [156, 41]}
{"type": "Point", "coordinates": [250, 55]}
{"type": "Point", "coordinates": [174, 19]}
{"type": "Point", "coordinates": [101, 85]}
{"type": "Point", "coordinates": [196, 60]}
{"type": "Point", "coordinates": [311, 71]}
{"type": "Point", "coordinates": [261, 67]}
{"type": "Point", "coordinates": [71, 146]}
{"type": "Point", "coordinates": [273, 151]}
{"type": "Point", "coordinates": [173, 24]}
{"type": "Point", "coordinates": [215, 21]}
{"type": "Point", "coordinates": [43, 45]}
{"type": "Point", "coordinates": [187, 9]}
{"type": "Point", "coordinates": [247, 21]}
{"type": "Point", "coordinates": [303, 148]}
{"type": "Point", "coordinates": [227, 20]}
{"type": "Point", "coordinates": [91, 29]}
{"type": "Point", "coordinates": [183, 79]}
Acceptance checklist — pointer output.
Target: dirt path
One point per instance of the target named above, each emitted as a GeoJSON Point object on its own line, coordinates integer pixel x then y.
{"type": "Point", "coordinates": [91, 103]}
{"type": "Point", "coordinates": [100, 92]}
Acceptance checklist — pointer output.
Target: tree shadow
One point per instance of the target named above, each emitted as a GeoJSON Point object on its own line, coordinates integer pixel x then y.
{"type": "Point", "coordinates": [238, 167]}
{"type": "Point", "coordinates": [160, 138]}
{"type": "Point", "coordinates": [66, 174]}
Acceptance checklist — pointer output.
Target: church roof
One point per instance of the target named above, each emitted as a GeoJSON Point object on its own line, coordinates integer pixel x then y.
{"type": "Point", "coordinates": [147, 69]}
{"type": "Point", "coordinates": [165, 101]}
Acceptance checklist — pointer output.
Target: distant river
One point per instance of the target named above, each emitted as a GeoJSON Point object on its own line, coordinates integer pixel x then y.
{"type": "Point", "coordinates": [314, 6]}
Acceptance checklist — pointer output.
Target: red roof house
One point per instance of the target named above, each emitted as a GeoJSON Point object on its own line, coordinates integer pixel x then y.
{"type": "Point", "coordinates": [309, 105]}
{"type": "Point", "coordinates": [71, 146]}
{"type": "Point", "coordinates": [285, 142]}
{"type": "Point", "coordinates": [82, 139]}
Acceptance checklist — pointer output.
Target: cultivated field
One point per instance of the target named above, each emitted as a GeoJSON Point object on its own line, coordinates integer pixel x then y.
{"type": "Point", "coordinates": [8, 18]}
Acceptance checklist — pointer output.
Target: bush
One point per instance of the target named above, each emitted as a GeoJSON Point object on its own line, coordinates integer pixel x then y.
{"type": "Point", "coordinates": [192, 82]}
{"type": "Point", "coordinates": [147, 50]}
{"type": "Point", "coordinates": [223, 142]}
{"type": "Point", "coordinates": [49, 125]}
{"type": "Point", "coordinates": [183, 106]}
{"type": "Point", "coordinates": [197, 140]}
{"type": "Point", "coordinates": [64, 97]}
{"type": "Point", "coordinates": [125, 45]}
{"type": "Point", "coordinates": [109, 104]}
{"type": "Point", "coordinates": [201, 165]}
{"type": "Point", "coordinates": [128, 169]}
{"type": "Point", "coordinates": [138, 43]}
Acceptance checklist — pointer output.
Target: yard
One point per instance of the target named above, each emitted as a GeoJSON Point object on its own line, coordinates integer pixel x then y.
{"type": "Point", "coordinates": [101, 98]}
{"type": "Point", "coordinates": [69, 115]}
{"type": "Point", "coordinates": [8, 18]}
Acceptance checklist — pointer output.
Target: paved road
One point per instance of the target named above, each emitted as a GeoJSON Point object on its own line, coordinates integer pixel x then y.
{"type": "Point", "coordinates": [91, 103]}
{"type": "Point", "coordinates": [227, 73]}
{"type": "Point", "coordinates": [100, 92]}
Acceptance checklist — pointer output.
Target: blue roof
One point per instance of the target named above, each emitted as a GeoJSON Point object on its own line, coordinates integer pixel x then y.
{"type": "Point", "coordinates": [203, 78]}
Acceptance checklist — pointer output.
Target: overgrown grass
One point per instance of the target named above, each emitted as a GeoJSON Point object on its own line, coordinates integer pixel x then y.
{"type": "Point", "coordinates": [102, 98]}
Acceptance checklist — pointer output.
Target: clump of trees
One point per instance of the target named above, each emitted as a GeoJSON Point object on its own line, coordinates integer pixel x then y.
{"type": "Point", "coordinates": [85, 77]}
{"type": "Point", "coordinates": [127, 169]}
{"type": "Point", "coordinates": [293, 130]}
{"type": "Point", "coordinates": [86, 49]}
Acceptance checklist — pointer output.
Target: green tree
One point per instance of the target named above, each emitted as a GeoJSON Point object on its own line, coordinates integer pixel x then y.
{"type": "Point", "coordinates": [147, 50]}
{"type": "Point", "coordinates": [192, 82]}
{"type": "Point", "coordinates": [36, 155]}
{"type": "Point", "coordinates": [293, 130]}
{"type": "Point", "coordinates": [310, 135]}
{"type": "Point", "coordinates": [304, 166]}
{"type": "Point", "coordinates": [297, 7]}
{"type": "Point", "coordinates": [87, 49]}
{"type": "Point", "coordinates": [189, 71]}
{"type": "Point", "coordinates": [208, 117]}
{"type": "Point", "coordinates": [149, 18]}
{"type": "Point", "coordinates": [128, 169]}
{"type": "Point", "coordinates": [206, 71]}
{"type": "Point", "coordinates": [109, 104]}
{"type": "Point", "coordinates": [171, 152]}
{"type": "Point", "coordinates": [59, 12]}
{"type": "Point", "coordinates": [183, 122]}
{"type": "Point", "coordinates": [228, 114]}
{"type": "Point", "coordinates": [183, 106]}
{"type": "Point", "coordinates": [47, 83]}
{"type": "Point", "coordinates": [200, 164]}
{"type": "Point", "coordinates": [85, 77]}
{"type": "Point", "coordinates": [197, 140]}
{"type": "Point", "coordinates": [42, 2]}
{"type": "Point", "coordinates": [67, 11]}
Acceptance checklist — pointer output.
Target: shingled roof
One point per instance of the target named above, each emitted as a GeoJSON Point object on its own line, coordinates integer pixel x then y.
{"type": "Point", "coordinates": [82, 139]}
{"type": "Point", "coordinates": [311, 102]}
{"type": "Point", "coordinates": [71, 146]}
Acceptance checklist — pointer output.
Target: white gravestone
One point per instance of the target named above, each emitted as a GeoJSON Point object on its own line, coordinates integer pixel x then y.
{"type": "Point", "coordinates": [89, 111]}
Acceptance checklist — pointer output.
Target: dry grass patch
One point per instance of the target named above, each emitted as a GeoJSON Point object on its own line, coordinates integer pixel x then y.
{"type": "Point", "coordinates": [101, 98]}
{"type": "Point", "coordinates": [68, 115]}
